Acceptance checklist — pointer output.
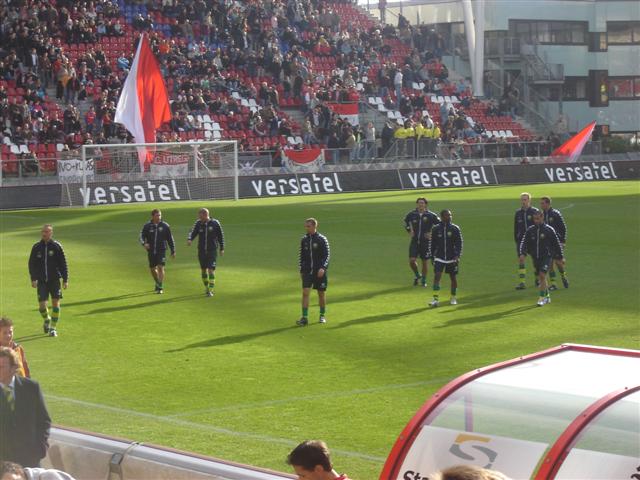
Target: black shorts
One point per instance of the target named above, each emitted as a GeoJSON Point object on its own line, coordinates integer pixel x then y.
{"type": "Point", "coordinates": [156, 259]}
{"type": "Point", "coordinates": [419, 250]}
{"type": "Point", "coordinates": [208, 260]}
{"type": "Point", "coordinates": [310, 280]}
{"type": "Point", "coordinates": [542, 264]}
{"type": "Point", "coordinates": [52, 287]}
{"type": "Point", "coordinates": [450, 268]}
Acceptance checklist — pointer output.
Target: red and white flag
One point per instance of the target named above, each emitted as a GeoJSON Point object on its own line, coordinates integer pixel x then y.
{"type": "Point", "coordinates": [346, 111]}
{"type": "Point", "coordinates": [309, 159]}
{"type": "Point", "coordinates": [570, 150]}
{"type": "Point", "coordinates": [144, 104]}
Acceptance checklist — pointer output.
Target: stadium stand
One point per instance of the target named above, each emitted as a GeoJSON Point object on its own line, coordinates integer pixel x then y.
{"type": "Point", "coordinates": [233, 72]}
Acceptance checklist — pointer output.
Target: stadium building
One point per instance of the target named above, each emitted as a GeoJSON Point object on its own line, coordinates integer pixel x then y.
{"type": "Point", "coordinates": [577, 60]}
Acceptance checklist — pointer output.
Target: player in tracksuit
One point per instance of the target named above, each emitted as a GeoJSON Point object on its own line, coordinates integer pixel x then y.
{"type": "Point", "coordinates": [446, 250]}
{"type": "Point", "coordinates": [542, 243]}
{"type": "Point", "coordinates": [313, 261]}
{"type": "Point", "coordinates": [154, 237]}
{"type": "Point", "coordinates": [418, 224]}
{"type": "Point", "coordinates": [211, 238]}
{"type": "Point", "coordinates": [553, 218]}
{"type": "Point", "coordinates": [47, 265]}
{"type": "Point", "coordinates": [523, 220]}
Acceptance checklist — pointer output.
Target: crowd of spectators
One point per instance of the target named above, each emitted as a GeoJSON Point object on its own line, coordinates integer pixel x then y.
{"type": "Point", "coordinates": [216, 57]}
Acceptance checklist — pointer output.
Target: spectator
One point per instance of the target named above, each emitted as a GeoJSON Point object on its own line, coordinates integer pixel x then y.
{"type": "Point", "coordinates": [6, 340]}
{"type": "Point", "coordinates": [467, 472]}
{"type": "Point", "coordinates": [311, 460]}
{"type": "Point", "coordinates": [24, 431]}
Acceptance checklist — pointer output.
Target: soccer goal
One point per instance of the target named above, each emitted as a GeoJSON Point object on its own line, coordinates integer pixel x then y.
{"type": "Point", "coordinates": [155, 172]}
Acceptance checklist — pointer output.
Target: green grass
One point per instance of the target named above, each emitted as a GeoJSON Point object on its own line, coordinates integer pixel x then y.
{"type": "Point", "coordinates": [234, 378]}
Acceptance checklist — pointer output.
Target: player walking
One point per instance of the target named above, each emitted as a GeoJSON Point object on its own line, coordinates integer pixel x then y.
{"type": "Point", "coordinates": [47, 264]}
{"type": "Point", "coordinates": [154, 237]}
{"type": "Point", "coordinates": [313, 261]}
{"type": "Point", "coordinates": [418, 224]}
{"type": "Point", "coordinates": [523, 220]}
{"type": "Point", "coordinates": [446, 250]}
{"type": "Point", "coordinates": [211, 237]}
{"type": "Point", "coordinates": [541, 242]}
{"type": "Point", "coordinates": [554, 218]}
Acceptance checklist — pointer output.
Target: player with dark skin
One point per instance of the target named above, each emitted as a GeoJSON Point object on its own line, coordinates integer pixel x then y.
{"type": "Point", "coordinates": [446, 219]}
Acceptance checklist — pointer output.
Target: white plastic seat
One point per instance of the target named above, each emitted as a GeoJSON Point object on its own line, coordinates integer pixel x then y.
{"type": "Point", "coordinates": [24, 149]}
{"type": "Point", "coordinates": [206, 118]}
{"type": "Point", "coordinates": [15, 149]}
{"type": "Point", "coordinates": [372, 101]}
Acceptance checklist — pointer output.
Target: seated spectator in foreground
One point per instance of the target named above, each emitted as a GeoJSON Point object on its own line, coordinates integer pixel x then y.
{"type": "Point", "coordinates": [13, 471]}
{"type": "Point", "coordinates": [311, 460]}
{"type": "Point", "coordinates": [6, 340]}
{"type": "Point", "coordinates": [467, 472]}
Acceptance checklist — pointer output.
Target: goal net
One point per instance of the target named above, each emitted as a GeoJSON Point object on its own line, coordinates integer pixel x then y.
{"type": "Point", "coordinates": [154, 172]}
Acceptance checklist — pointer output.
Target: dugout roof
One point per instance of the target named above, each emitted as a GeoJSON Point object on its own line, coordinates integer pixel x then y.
{"type": "Point", "coordinates": [569, 412]}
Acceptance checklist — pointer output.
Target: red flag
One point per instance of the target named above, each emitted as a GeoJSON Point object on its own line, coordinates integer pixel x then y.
{"type": "Point", "coordinates": [570, 150]}
{"type": "Point", "coordinates": [346, 111]}
{"type": "Point", "coordinates": [144, 104]}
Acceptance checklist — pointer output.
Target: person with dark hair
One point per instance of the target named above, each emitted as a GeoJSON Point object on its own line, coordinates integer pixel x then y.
{"type": "Point", "coordinates": [311, 460]}
{"type": "Point", "coordinates": [6, 340]}
{"type": "Point", "coordinates": [313, 261]}
{"type": "Point", "coordinates": [24, 429]}
{"type": "Point", "coordinates": [541, 242]}
{"type": "Point", "coordinates": [446, 250]}
{"type": "Point", "coordinates": [47, 265]}
{"type": "Point", "coordinates": [154, 237]}
{"type": "Point", "coordinates": [554, 218]}
{"type": "Point", "coordinates": [211, 237]}
{"type": "Point", "coordinates": [418, 224]}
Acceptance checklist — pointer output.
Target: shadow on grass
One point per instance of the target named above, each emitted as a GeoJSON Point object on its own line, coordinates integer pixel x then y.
{"type": "Point", "coordinates": [484, 300]}
{"type": "Point", "coordinates": [366, 295]}
{"type": "Point", "coordinates": [158, 301]}
{"type": "Point", "coordinates": [513, 312]}
{"type": "Point", "coordinates": [30, 338]}
{"type": "Point", "coordinates": [231, 339]}
{"type": "Point", "coordinates": [379, 318]}
{"type": "Point", "coordinates": [109, 299]}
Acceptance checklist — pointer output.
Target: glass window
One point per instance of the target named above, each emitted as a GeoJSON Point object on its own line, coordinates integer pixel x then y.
{"type": "Point", "coordinates": [620, 32]}
{"type": "Point", "coordinates": [543, 34]}
{"type": "Point", "coordinates": [578, 33]}
{"type": "Point", "coordinates": [621, 87]}
{"type": "Point", "coordinates": [575, 88]}
{"type": "Point", "coordinates": [636, 87]}
{"type": "Point", "coordinates": [636, 32]}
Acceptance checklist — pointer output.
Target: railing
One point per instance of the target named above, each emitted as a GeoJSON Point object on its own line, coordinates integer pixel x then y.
{"type": "Point", "coordinates": [362, 155]}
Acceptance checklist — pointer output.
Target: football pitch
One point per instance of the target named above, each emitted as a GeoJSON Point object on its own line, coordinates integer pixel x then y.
{"type": "Point", "coordinates": [233, 377]}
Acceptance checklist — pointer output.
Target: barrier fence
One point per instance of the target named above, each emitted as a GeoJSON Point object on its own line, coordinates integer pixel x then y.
{"type": "Point", "coordinates": [51, 169]}
{"type": "Point", "coordinates": [306, 183]}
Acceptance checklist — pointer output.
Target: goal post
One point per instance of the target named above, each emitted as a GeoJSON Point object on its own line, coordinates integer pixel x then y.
{"type": "Point", "coordinates": [152, 172]}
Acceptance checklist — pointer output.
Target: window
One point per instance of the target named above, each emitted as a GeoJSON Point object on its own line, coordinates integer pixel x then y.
{"type": "Point", "coordinates": [623, 88]}
{"type": "Point", "coordinates": [598, 42]}
{"type": "Point", "coordinates": [550, 32]}
{"type": "Point", "coordinates": [575, 88]}
{"type": "Point", "coordinates": [620, 88]}
{"type": "Point", "coordinates": [622, 33]}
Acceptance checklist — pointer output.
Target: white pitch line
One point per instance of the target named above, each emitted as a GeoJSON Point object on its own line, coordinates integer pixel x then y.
{"type": "Point", "coordinates": [207, 428]}
{"type": "Point", "coordinates": [283, 401]}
